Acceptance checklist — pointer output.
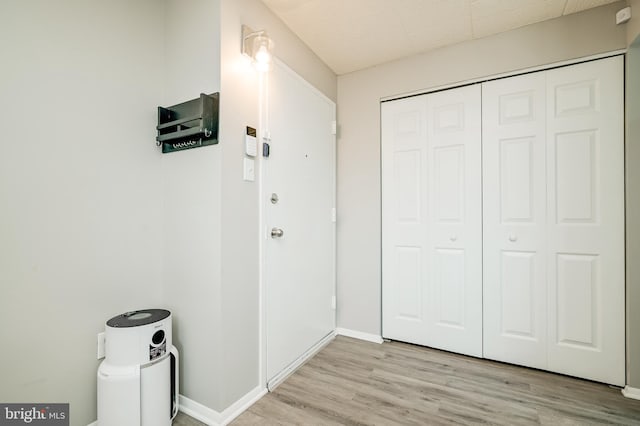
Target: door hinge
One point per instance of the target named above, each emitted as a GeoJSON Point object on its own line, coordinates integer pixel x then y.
{"type": "Point", "coordinates": [334, 127]}
{"type": "Point", "coordinates": [333, 302]}
{"type": "Point", "coordinates": [333, 215]}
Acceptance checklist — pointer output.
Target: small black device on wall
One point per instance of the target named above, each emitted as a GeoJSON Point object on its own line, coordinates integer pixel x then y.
{"type": "Point", "coordinates": [191, 124]}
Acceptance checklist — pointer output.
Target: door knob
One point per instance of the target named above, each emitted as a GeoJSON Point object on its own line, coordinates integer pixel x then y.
{"type": "Point", "coordinates": [453, 238]}
{"type": "Point", "coordinates": [513, 238]}
{"type": "Point", "coordinates": [276, 233]}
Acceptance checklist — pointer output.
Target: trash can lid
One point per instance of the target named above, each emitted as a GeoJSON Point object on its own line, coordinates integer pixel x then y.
{"type": "Point", "coordinates": [138, 318]}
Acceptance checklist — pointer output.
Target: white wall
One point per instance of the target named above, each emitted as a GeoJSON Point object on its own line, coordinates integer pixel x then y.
{"type": "Point", "coordinates": [80, 194]}
{"type": "Point", "coordinates": [359, 95]}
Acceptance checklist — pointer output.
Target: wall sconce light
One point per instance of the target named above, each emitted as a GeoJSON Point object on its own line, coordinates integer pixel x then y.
{"type": "Point", "coordinates": [258, 46]}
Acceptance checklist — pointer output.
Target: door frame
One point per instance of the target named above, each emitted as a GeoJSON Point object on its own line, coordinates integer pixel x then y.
{"type": "Point", "coordinates": [264, 136]}
{"type": "Point", "coordinates": [504, 75]}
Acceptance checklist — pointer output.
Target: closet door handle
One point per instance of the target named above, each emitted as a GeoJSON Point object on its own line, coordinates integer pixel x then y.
{"type": "Point", "coordinates": [513, 238]}
{"type": "Point", "coordinates": [453, 238]}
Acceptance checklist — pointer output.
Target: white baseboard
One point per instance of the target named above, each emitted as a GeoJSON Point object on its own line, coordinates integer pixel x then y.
{"type": "Point", "coordinates": [214, 418]}
{"type": "Point", "coordinates": [291, 368]}
{"type": "Point", "coordinates": [199, 412]}
{"type": "Point", "coordinates": [629, 392]}
{"type": "Point", "coordinates": [359, 335]}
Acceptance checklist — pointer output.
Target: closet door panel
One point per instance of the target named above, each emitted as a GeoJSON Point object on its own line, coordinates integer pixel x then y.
{"type": "Point", "coordinates": [432, 220]}
{"type": "Point", "coordinates": [404, 223]}
{"type": "Point", "coordinates": [514, 196]}
{"type": "Point", "coordinates": [585, 175]}
{"type": "Point", "coordinates": [455, 220]}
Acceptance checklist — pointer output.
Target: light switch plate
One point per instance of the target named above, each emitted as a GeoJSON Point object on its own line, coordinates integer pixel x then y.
{"type": "Point", "coordinates": [249, 173]}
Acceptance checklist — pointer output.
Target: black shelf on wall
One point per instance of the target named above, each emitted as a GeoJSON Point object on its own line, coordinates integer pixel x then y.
{"type": "Point", "coordinates": [191, 124]}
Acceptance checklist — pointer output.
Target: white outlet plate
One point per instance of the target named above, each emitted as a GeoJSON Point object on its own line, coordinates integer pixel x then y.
{"type": "Point", "coordinates": [100, 345]}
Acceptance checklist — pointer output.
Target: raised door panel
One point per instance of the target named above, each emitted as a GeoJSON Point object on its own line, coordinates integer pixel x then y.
{"type": "Point", "coordinates": [576, 176]}
{"type": "Point", "coordinates": [408, 283]}
{"type": "Point", "coordinates": [404, 224]}
{"type": "Point", "coordinates": [585, 166]}
{"type": "Point", "coordinates": [454, 302]}
{"type": "Point", "coordinates": [448, 184]}
{"type": "Point", "coordinates": [514, 259]}
{"type": "Point", "coordinates": [517, 295]}
{"type": "Point", "coordinates": [578, 285]}
{"type": "Point", "coordinates": [516, 180]}
{"type": "Point", "coordinates": [407, 167]}
{"type": "Point", "coordinates": [449, 283]}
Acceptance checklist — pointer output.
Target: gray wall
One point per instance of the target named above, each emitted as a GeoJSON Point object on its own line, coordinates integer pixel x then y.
{"type": "Point", "coordinates": [80, 199]}
{"type": "Point", "coordinates": [633, 26]}
{"type": "Point", "coordinates": [95, 221]}
{"type": "Point", "coordinates": [632, 171]}
{"type": "Point", "coordinates": [359, 93]}
{"type": "Point", "coordinates": [240, 215]}
{"type": "Point", "coordinates": [239, 298]}
{"type": "Point", "coordinates": [211, 261]}
{"type": "Point", "coordinates": [192, 194]}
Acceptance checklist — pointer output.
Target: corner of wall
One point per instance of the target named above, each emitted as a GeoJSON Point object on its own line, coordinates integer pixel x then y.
{"type": "Point", "coordinates": [633, 26]}
{"type": "Point", "coordinates": [192, 198]}
{"type": "Point", "coordinates": [632, 207]}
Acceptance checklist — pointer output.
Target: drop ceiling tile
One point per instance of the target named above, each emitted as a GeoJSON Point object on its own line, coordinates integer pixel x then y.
{"type": "Point", "coordinates": [338, 31]}
{"type": "Point", "coordinates": [495, 16]}
{"type": "Point", "coordinates": [349, 35]}
{"type": "Point", "coordinates": [434, 23]}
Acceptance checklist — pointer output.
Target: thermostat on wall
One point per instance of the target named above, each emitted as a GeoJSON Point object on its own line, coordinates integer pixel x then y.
{"type": "Point", "coordinates": [250, 142]}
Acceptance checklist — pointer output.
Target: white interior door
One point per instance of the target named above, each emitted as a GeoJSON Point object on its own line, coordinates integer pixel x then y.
{"type": "Point", "coordinates": [431, 220]}
{"type": "Point", "coordinates": [299, 269]}
{"type": "Point", "coordinates": [585, 211]}
{"type": "Point", "coordinates": [514, 236]}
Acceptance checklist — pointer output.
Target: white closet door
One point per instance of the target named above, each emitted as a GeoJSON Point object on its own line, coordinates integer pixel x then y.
{"type": "Point", "coordinates": [404, 219]}
{"type": "Point", "coordinates": [585, 234]}
{"type": "Point", "coordinates": [431, 220]}
{"type": "Point", "coordinates": [455, 220]}
{"type": "Point", "coordinates": [514, 204]}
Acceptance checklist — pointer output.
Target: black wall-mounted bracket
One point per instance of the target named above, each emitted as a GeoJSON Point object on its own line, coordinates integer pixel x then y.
{"type": "Point", "coordinates": [191, 124]}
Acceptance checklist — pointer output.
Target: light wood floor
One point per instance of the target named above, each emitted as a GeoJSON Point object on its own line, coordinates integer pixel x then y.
{"type": "Point", "coordinates": [354, 382]}
{"type": "Point", "coordinates": [184, 420]}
